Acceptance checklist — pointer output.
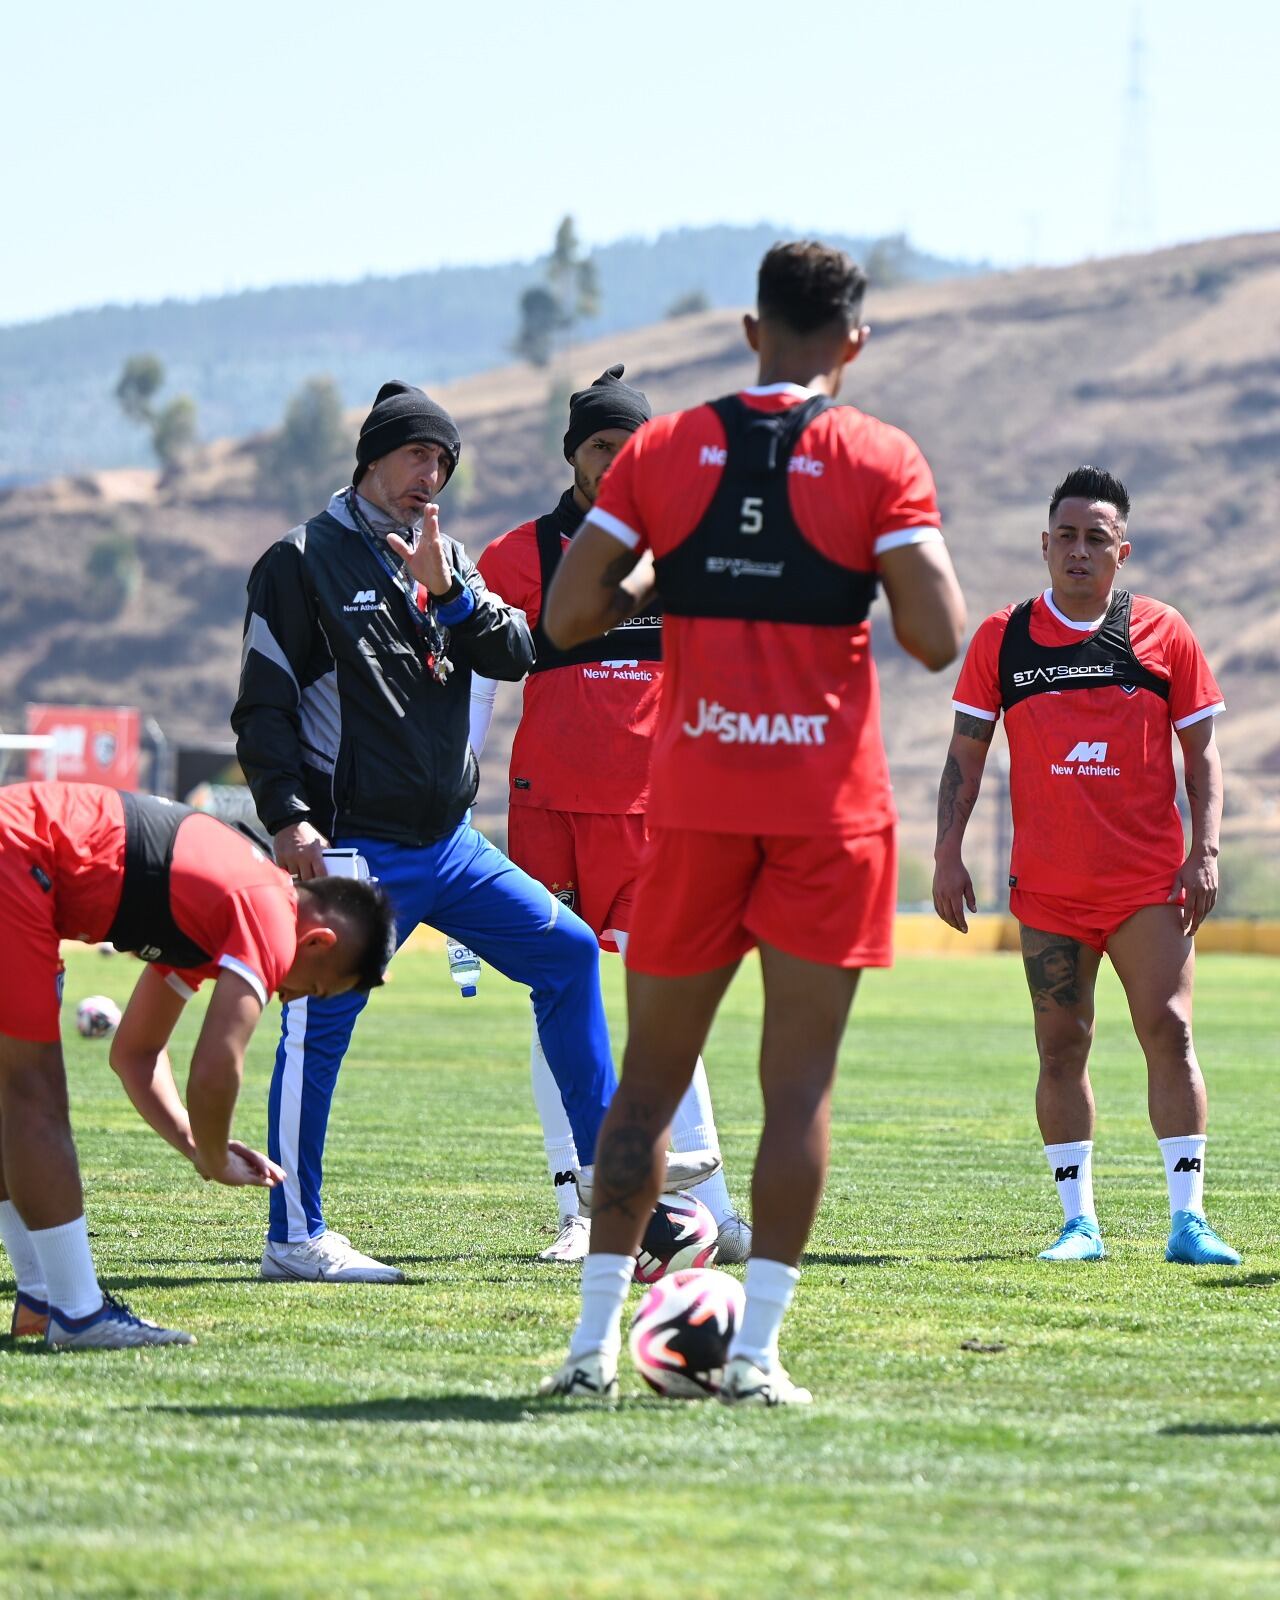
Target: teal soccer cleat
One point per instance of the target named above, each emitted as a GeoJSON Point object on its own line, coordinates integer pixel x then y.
{"type": "Point", "coordinates": [1193, 1243]}
{"type": "Point", "coordinates": [1080, 1240]}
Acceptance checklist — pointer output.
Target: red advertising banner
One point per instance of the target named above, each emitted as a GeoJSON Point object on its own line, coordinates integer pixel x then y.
{"type": "Point", "coordinates": [92, 744]}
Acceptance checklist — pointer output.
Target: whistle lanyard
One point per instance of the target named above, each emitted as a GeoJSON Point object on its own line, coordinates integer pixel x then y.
{"type": "Point", "coordinates": [438, 663]}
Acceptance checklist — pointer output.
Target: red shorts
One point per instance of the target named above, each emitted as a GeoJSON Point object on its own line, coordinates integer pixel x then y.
{"type": "Point", "coordinates": [30, 966]}
{"type": "Point", "coordinates": [1080, 920]}
{"type": "Point", "coordinates": [704, 899]}
{"type": "Point", "coordinates": [587, 859]}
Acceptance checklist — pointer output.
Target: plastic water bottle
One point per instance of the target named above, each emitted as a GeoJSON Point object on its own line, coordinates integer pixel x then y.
{"type": "Point", "coordinates": [464, 968]}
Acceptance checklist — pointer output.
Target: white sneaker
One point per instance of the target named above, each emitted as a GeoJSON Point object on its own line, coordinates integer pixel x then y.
{"type": "Point", "coordinates": [328, 1258]}
{"type": "Point", "coordinates": [112, 1327]}
{"type": "Point", "coordinates": [685, 1169]}
{"type": "Point", "coordinates": [733, 1241]}
{"type": "Point", "coordinates": [593, 1376]}
{"type": "Point", "coordinates": [745, 1384]}
{"type": "Point", "coordinates": [572, 1242]}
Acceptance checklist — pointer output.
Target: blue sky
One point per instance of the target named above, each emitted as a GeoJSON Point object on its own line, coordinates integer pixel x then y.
{"type": "Point", "coordinates": [157, 150]}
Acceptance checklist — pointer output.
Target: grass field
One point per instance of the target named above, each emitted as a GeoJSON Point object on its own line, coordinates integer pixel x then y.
{"type": "Point", "coordinates": [1124, 1439]}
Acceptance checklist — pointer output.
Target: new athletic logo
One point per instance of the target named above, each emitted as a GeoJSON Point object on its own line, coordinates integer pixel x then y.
{"type": "Point", "coordinates": [1085, 759]}
{"type": "Point", "coordinates": [745, 727]}
{"type": "Point", "coordinates": [1187, 1164]}
{"type": "Point", "coordinates": [1061, 1174]}
{"type": "Point", "coordinates": [364, 600]}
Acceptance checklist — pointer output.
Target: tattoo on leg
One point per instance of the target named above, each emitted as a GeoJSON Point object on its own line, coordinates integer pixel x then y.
{"type": "Point", "coordinates": [624, 1164]}
{"type": "Point", "coordinates": [1053, 975]}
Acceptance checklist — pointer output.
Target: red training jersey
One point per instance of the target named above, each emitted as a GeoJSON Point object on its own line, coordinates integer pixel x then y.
{"type": "Point", "coordinates": [586, 731]}
{"type": "Point", "coordinates": [771, 727]}
{"type": "Point", "coordinates": [223, 891]}
{"type": "Point", "coordinates": [1091, 775]}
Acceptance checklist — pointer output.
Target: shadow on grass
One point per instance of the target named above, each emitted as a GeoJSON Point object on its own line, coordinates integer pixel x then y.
{"type": "Point", "coordinates": [1223, 1430]}
{"type": "Point", "coordinates": [1244, 1280]}
{"type": "Point", "coordinates": [831, 1258]}
{"type": "Point", "coordinates": [391, 1408]}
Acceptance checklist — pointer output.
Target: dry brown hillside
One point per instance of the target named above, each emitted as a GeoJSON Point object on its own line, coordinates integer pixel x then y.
{"type": "Point", "coordinates": [1165, 368]}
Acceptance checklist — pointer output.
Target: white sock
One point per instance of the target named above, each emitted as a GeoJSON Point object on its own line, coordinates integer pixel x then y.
{"type": "Point", "coordinates": [1071, 1167]}
{"type": "Point", "coordinates": [27, 1271]}
{"type": "Point", "coordinates": [605, 1282]}
{"type": "Point", "coordinates": [1184, 1172]}
{"type": "Point", "coordinates": [67, 1264]}
{"type": "Point", "coordinates": [770, 1286]}
{"type": "Point", "coordinates": [694, 1128]}
{"type": "Point", "coordinates": [557, 1135]}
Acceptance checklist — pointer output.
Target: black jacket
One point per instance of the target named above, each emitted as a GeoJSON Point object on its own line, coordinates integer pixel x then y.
{"type": "Point", "coordinates": [338, 720]}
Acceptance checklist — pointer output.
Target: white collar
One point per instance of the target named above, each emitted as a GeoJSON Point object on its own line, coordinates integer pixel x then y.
{"type": "Point", "coordinates": [1069, 622]}
{"type": "Point", "coordinates": [797, 389]}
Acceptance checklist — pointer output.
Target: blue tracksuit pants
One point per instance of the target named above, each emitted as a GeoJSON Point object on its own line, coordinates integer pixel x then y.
{"type": "Point", "coordinates": [467, 888]}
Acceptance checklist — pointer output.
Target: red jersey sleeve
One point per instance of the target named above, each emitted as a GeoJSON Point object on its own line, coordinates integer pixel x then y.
{"type": "Point", "coordinates": [509, 566]}
{"type": "Point", "coordinates": [906, 509]}
{"type": "Point", "coordinates": [1193, 690]}
{"type": "Point", "coordinates": [977, 691]}
{"type": "Point", "coordinates": [617, 509]}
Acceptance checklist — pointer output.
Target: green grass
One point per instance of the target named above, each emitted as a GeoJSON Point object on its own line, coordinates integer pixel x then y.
{"type": "Point", "coordinates": [360, 1440]}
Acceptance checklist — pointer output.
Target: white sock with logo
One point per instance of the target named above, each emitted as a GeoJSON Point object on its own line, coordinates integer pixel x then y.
{"type": "Point", "coordinates": [694, 1128]}
{"type": "Point", "coordinates": [1071, 1167]}
{"type": "Point", "coordinates": [28, 1274]}
{"type": "Point", "coordinates": [557, 1135]}
{"type": "Point", "coordinates": [67, 1264]}
{"type": "Point", "coordinates": [605, 1282]}
{"type": "Point", "coordinates": [1184, 1171]}
{"type": "Point", "coordinates": [770, 1286]}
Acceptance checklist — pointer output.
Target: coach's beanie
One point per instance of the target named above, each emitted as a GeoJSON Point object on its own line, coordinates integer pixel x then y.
{"type": "Point", "coordinates": [608, 403]}
{"type": "Point", "coordinates": [404, 415]}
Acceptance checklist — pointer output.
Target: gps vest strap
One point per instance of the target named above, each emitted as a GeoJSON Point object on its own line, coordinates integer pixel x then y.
{"type": "Point", "coordinates": [747, 557]}
{"type": "Point", "coordinates": [144, 923]}
{"type": "Point", "coordinates": [639, 638]}
{"type": "Point", "coordinates": [1097, 661]}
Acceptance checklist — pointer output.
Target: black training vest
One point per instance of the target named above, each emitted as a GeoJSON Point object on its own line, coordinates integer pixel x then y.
{"type": "Point", "coordinates": [639, 638]}
{"type": "Point", "coordinates": [747, 558]}
{"type": "Point", "coordinates": [1100, 659]}
{"type": "Point", "coordinates": [144, 923]}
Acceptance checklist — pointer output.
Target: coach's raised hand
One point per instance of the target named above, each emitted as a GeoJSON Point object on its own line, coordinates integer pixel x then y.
{"type": "Point", "coordinates": [427, 561]}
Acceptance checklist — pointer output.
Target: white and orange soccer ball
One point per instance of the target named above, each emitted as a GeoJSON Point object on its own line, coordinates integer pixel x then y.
{"type": "Point", "coordinates": [98, 1017]}
{"type": "Point", "coordinates": [681, 1331]}
{"type": "Point", "coordinates": [681, 1233]}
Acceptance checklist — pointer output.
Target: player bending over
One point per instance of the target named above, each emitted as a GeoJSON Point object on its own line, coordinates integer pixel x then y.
{"type": "Point", "coordinates": [1090, 680]}
{"type": "Point", "coordinates": [580, 778]}
{"type": "Point", "coordinates": [767, 520]}
{"type": "Point", "coordinates": [197, 900]}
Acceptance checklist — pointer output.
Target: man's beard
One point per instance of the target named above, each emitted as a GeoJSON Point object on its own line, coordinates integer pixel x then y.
{"type": "Point", "coordinates": [584, 486]}
{"type": "Point", "coordinates": [406, 517]}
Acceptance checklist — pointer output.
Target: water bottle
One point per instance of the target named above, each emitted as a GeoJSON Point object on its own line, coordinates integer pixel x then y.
{"type": "Point", "coordinates": [464, 967]}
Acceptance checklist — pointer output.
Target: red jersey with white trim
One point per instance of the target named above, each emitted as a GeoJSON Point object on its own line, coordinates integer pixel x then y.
{"type": "Point", "coordinates": [771, 727]}
{"type": "Point", "coordinates": [1091, 774]}
{"type": "Point", "coordinates": [586, 732]}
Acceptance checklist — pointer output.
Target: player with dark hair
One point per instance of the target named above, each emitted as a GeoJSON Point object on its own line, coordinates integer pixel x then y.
{"type": "Point", "coordinates": [1093, 682]}
{"type": "Point", "coordinates": [765, 521]}
{"type": "Point", "coordinates": [579, 781]}
{"type": "Point", "coordinates": [197, 900]}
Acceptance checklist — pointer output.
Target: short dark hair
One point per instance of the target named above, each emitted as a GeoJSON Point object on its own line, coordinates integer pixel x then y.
{"type": "Point", "coordinates": [1091, 483]}
{"type": "Point", "coordinates": [810, 286]}
{"type": "Point", "coordinates": [367, 911]}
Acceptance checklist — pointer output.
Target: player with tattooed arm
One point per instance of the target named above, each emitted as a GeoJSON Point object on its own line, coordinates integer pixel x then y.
{"type": "Point", "coordinates": [1092, 682]}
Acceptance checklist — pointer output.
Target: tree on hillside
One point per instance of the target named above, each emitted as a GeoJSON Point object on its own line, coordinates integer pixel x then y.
{"type": "Point", "coordinates": [312, 453]}
{"type": "Point", "coordinates": [570, 295]}
{"type": "Point", "coordinates": [688, 304]}
{"type": "Point", "coordinates": [173, 425]}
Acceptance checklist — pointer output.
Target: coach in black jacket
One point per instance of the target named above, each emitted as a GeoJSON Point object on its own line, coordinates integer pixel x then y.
{"type": "Point", "coordinates": [362, 631]}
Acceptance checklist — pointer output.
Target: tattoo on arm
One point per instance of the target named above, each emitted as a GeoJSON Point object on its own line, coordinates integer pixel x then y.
{"type": "Point", "coordinates": [975, 727]}
{"type": "Point", "coordinates": [950, 800]}
{"type": "Point", "coordinates": [1053, 974]}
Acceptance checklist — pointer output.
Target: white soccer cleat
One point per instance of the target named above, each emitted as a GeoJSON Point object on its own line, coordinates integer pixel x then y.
{"type": "Point", "coordinates": [745, 1384]}
{"type": "Point", "coordinates": [593, 1376]}
{"type": "Point", "coordinates": [685, 1170]}
{"type": "Point", "coordinates": [571, 1244]}
{"type": "Point", "coordinates": [733, 1241]}
{"type": "Point", "coordinates": [112, 1327]}
{"type": "Point", "coordinates": [328, 1258]}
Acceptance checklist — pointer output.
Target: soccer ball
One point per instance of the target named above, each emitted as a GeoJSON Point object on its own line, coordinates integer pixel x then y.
{"type": "Point", "coordinates": [680, 1334]}
{"type": "Point", "coordinates": [681, 1233]}
{"type": "Point", "coordinates": [98, 1017]}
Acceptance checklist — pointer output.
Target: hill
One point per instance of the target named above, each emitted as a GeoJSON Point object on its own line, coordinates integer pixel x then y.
{"type": "Point", "coordinates": [241, 356]}
{"type": "Point", "coordinates": [1165, 368]}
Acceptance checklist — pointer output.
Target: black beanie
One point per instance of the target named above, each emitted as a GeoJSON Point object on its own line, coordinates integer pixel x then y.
{"type": "Point", "coordinates": [608, 403]}
{"type": "Point", "coordinates": [404, 415]}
